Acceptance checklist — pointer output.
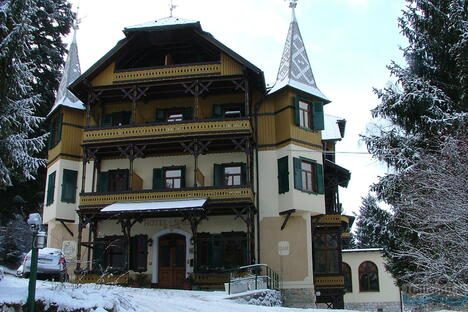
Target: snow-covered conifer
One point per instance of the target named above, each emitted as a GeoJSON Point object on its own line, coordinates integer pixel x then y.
{"type": "Point", "coordinates": [371, 224]}
{"type": "Point", "coordinates": [423, 111]}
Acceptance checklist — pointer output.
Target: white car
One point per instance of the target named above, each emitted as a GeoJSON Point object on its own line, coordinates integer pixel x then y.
{"type": "Point", "coordinates": [51, 263]}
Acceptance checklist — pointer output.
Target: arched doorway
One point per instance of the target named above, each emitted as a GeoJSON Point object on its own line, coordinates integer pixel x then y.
{"type": "Point", "coordinates": [171, 260]}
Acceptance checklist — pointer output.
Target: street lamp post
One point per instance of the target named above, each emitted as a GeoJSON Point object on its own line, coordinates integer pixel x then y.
{"type": "Point", "coordinates": [38, 242]}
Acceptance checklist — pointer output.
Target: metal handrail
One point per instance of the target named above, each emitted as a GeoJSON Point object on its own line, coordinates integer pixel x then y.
{"type": "Point", "coordinates": [256, 270]}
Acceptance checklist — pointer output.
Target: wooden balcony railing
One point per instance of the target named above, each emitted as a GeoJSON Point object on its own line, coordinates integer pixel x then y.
{"type": "Point", "coordinates": [175, 71]}
{"type": "Point", "coordinates": [237, 194]}
{"type": "Point", "coordinates": [179, 129]}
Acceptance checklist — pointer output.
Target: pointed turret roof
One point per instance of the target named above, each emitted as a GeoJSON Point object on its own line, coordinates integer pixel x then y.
{"type": "Point", "coordinates": [71, 71]}
{"type": "Point", "coordinates": [295, 70]}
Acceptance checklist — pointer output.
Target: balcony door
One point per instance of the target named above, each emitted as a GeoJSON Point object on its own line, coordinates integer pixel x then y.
{"type": "Point", "coordinates": [172, 258]}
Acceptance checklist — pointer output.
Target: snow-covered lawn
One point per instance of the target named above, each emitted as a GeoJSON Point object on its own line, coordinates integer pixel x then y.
{"type": "Point", "coordinates": [100, 298]}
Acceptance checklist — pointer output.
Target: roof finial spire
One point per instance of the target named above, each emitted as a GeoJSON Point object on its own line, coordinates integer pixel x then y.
{"type": "Point", "coordinates": [293, 4]}
{"type": "Point", "coordinates": [172, 7]}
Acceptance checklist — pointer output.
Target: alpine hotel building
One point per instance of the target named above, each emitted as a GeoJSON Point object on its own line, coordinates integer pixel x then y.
{"type": "Point", "coordinates": [170, 158]}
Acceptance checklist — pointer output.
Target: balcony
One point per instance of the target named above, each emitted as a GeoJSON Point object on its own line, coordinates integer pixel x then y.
{"type": "Point", "coordinates": [241, 194]}
{"type": "Point", "coordinates": [168, 130]}
{"type": "Point", "coordinates": [165, 72]}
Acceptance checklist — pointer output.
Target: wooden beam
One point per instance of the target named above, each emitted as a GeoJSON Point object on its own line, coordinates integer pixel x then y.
{"type": "Point", "coordinates": [286, 213]}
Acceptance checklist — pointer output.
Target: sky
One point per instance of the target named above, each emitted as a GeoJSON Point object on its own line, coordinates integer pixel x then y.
{"type": "Point", "coordinates": [349, 44]}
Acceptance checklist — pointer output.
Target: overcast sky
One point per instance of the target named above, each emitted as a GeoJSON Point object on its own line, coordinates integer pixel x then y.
{"type": "Point", "coordinates": [349, 43]}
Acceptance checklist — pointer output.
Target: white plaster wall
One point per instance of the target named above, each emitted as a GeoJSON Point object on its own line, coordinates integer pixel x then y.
{"type": "Point", "coordinates": [143, 167]}
{"type": "Point", "coordinates": [388, 291]}
{"type": "Point", "coordinates": [59, 209]}
{"type": "Point", "coordinates": [271, 202]}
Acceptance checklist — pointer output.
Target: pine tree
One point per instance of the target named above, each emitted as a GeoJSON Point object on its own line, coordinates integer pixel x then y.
{"type": "Point", "coordinates": [15, 240]}
{"type": "Point", "coordinates": [422, 111]}
{"type": "Point", "coordinates": [372, 224]}
{"type": "Point", "coordinates": [52, 20]}
{"type": "Point", "coordinates": [17, 100]}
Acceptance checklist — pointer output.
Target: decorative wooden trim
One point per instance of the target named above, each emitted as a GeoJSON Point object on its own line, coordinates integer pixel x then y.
{"type": "Point", "coordinates": [329, 282]}
{"type": "Point", "coordinates": [167, 72]}
{"type": "Point", "coordinates": [179, 129]}
{"type": "Point", "coordinates": [290, 140]}
{"type": "Point", "coordinates": [91, 200]}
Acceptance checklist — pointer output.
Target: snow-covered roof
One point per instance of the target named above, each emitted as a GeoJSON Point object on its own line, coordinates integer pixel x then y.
{"type": "Point", "coordinates": [332, 129]}
{"type": "Point", "coordinates": [162, 22]}
{"type": "Point", "coordinates": [71, 72]}
{"type": "Point", "coordinates": [163, 205]}
{"type": "Point", "coordinates": [295, 70]}
{"type": "Point", "coordinates": [363, 250]}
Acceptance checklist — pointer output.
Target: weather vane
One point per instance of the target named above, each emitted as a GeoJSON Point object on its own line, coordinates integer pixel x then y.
{"type": "Point", "coordinates": [172, 7]}
{"type": "Point", "coordinates": [293, 4]}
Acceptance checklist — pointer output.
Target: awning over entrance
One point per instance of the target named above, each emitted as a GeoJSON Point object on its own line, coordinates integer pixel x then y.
{"type": "Point", "coordinates": [155, 206]}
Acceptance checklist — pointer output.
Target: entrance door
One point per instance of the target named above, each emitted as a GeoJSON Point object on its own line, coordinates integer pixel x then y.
{"type": "Point", "coordinates": [171, 261]}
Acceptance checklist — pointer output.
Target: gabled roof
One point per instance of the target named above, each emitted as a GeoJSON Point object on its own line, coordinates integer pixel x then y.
{"type": "Point", "coordinates": [295, 70]}
{"type": "Point", "coordinates": [165, 22]}
{"type": "Point", "coordinates": [334, 128]}
{"type": "Point", "coordinates": [168, 23]}
{"type": "Point", "coordinates": [71, 72]}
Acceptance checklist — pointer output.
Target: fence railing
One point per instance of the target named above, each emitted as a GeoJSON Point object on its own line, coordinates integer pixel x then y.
{"type": "Point", "coordinates": [252, 277]}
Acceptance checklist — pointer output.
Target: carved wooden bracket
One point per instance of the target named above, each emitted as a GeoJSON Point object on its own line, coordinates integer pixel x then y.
{"type": "Point", "coordinates": [134, 93]}
{"type": "Point", "coordinates": [196, 147]}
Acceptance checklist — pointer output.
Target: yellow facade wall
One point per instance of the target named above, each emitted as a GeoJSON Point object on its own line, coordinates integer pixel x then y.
{"type": "Point", "coordinates": [72, 133]}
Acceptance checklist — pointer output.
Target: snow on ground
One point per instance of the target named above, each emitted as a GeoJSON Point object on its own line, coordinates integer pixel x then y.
{"type": "Point", "coordinates": [123, 299]}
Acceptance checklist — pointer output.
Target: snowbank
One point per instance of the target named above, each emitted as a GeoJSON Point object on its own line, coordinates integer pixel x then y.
{"type": "Point", "coordinates": [100, 298]}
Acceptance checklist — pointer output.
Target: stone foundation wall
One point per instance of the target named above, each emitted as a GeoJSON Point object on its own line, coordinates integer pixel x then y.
{"type": "Point", "coordinates": [262, 297]}
{"type": "Point", "coordinates": [299, 297]}
{"type": "Point", "coordinates": [374, 306]}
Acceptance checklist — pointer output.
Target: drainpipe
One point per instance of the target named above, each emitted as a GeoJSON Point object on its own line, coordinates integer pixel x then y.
{"type": "Point", "coordinates": [257, 179]}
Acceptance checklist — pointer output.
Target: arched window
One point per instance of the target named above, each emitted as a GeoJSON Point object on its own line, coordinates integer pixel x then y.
{"type": "Point", "coordinates": [368, 277]}
{"type": "Point", "coordinates": [348, 283]}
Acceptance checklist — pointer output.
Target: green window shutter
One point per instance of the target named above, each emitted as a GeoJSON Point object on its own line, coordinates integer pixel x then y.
{"type": "Point", "coordinates": [283, 175]}
{"type": "Point", "coordinates": [69, 186]}
{"type": "Point", "coordinates": [320, 182]}
{"type": "Point", "coordinates": [243, 174]}
{"type": "Point", "coordinates": [59, 128]}
{"type": "Point", "coordinates": [217, 111]}
{"type": "Point", "coordinates": [297, 173]}
{"type": "Point", "coordinates": [158, 179]}
{"type": "Point", "coordinates": [318, 116]}
{"type": "Point", "coordinates": [127, 115]}
{"type": "Point", "coordinates": [107, 120]}
{"type": "Point", "coordinates": [218, 175]}
{"type": "Point", "coordinates": [188, 113]}
{"type": "Point", "coordinates": [138, 253]}
{"type": "Point", "coordinates": [49, 140]}
{"type": "Point", "coordinates": [296, 111]}
{"type": "Point", "coordinates": [103, 182]}
{"type": "Point", "coordinates": [182, 173]}
{"type": "Point", "coordinates": [50, 189]}
{"type": "Point", "coordinates": [160, 115]}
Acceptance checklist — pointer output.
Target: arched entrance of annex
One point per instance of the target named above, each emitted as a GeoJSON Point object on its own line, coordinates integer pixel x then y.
{"type": "Point", "coordinates": [170, 254]}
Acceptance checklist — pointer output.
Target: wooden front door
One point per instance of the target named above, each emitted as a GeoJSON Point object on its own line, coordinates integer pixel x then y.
{"type": "Point", "coordinates": [171, 261]}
